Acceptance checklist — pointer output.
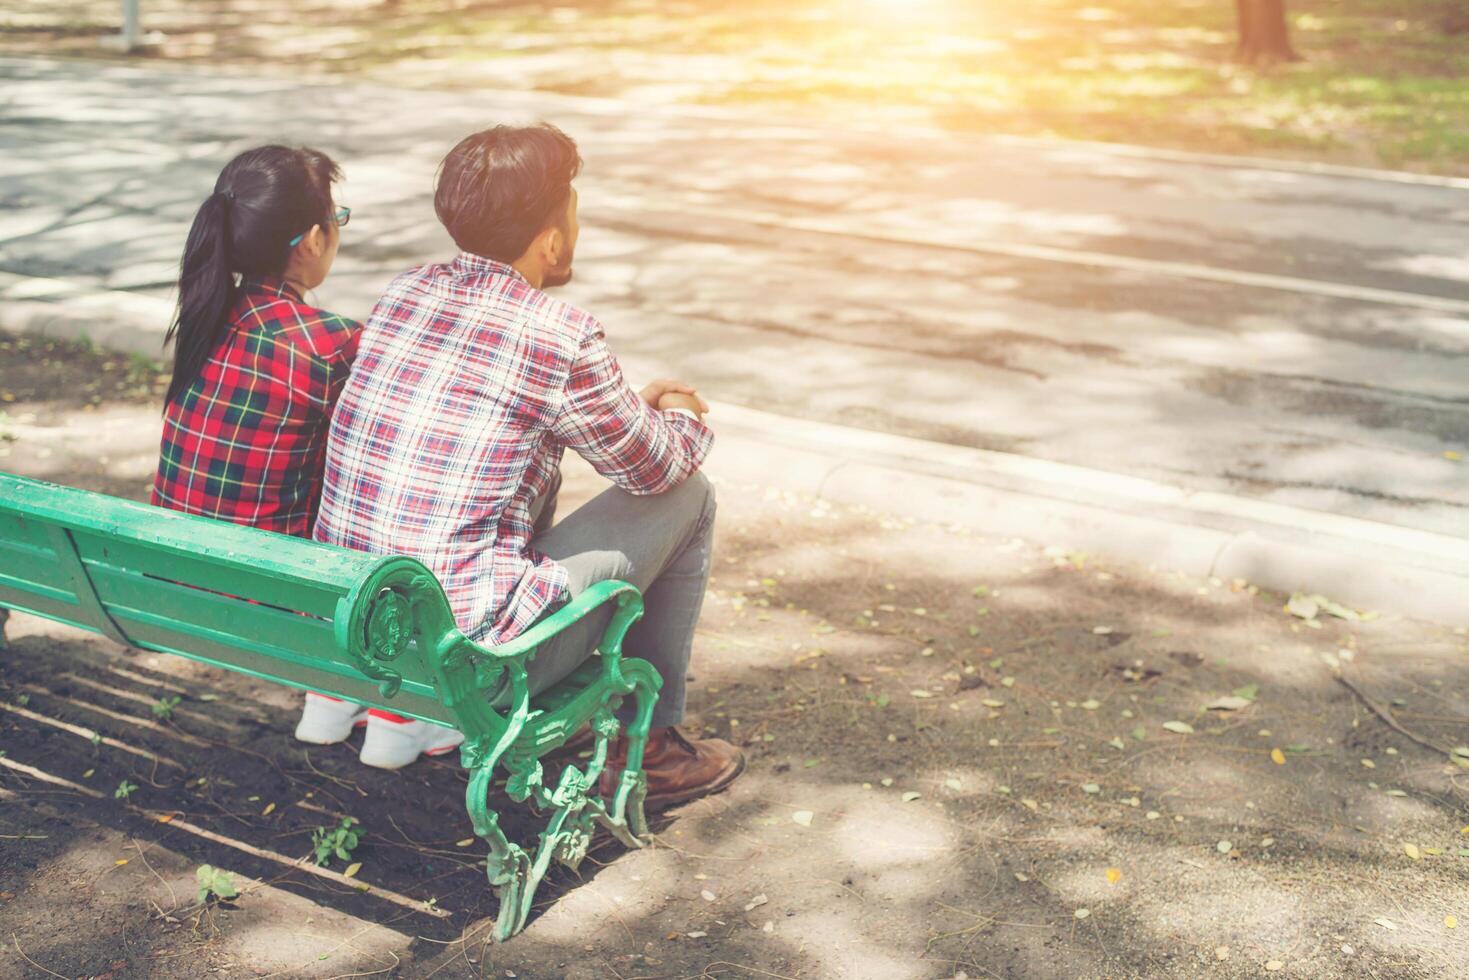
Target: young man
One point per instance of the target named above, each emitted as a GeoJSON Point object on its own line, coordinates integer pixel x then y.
{"type": "Point", "coordinates": [469, 384]}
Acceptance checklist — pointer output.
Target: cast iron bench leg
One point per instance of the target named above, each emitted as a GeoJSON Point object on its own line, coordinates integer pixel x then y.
{"type": "Point", "coordinates": [574, 804]}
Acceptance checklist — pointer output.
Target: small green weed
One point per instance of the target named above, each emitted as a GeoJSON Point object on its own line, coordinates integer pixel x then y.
{"type": "Point", "coordinates": [338, 841]}
{"type": "Point", "coordinates": [163, 707]}
{"type": "Point", "coordinates": [124, 790]}
{"type": "Point", "coordinates": [214, 881]}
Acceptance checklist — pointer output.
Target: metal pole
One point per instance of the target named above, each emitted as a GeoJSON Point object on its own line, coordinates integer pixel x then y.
{"type": "Point", "coordinates": [132, 35]}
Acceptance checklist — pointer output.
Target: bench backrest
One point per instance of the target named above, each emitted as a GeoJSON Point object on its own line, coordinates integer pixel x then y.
{"type": "Point", "coordinates": [276, 607]}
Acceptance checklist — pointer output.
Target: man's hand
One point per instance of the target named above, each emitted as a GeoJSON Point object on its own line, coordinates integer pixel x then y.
{"type": "Point", "coordinates": [656, 391]}
{"type": "Point", "coordinates": [677, 399]}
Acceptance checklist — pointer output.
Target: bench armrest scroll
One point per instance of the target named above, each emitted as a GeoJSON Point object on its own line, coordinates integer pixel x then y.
{"type": "Point", "coordinates": [629, 610]}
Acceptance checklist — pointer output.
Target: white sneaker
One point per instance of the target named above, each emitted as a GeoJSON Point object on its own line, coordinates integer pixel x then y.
{"type": "Point", "coordinates": [392, 742]}
{"type": "Point", "coordinates": [327, 721]}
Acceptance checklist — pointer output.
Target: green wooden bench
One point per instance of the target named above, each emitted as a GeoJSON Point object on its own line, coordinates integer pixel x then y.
{"type": "Point", "coordinates": [372, 629]}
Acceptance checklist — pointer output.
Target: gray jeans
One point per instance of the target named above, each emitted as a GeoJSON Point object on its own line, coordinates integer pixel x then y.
{"type": "Point", "coordinates": [660, 543]}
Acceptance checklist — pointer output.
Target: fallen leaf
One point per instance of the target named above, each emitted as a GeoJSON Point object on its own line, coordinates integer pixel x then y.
{"type": "Point", "coordinates": [465, 842]}
{"type": "Point", "coordinates": [269, 809]}
{"type": "Point", "coordinates": [209, 697]}
{"type": "Point", "coordinates": [1224, 847]}
{"type": "Point", "coordinates": [756, 902]}
{"type": "Point", "coordinates": [1277, 757]}
{"type": "Point", "coordinates": [803, 817]}
{"type": "Point", "coordinates": [1450, 922]}
{"type": "Point", "coordinates": [707, 895]}
{"type": "Point", "coordinates": [992, 703]}
{"type": "Point", "coordinates": [1091, 788]}
{"type": "Point", "coordinates": [1179, 727]}
{"type": "Point", "coordinates": [1412, 851]}
{"type": "Point", "coordinates": [1249, 692]}
{"type": "Point", "coordinates": [1302, 606]}
{"type": "Point", "coordinates": [1113, 876]}
{"type": "Point", "coordinates": [120, 862]}
{"type": "Point", "coordinates": [920, 693]}
{"type": "Point", "coordinates": [1462, 751]}
{"type": "Point", "coordinates": [1229, 702]}
{"type": "Point", "coordinates": [953, 783]}
{"type": "Point", "coordinates": [768, 926]}
{"type": "Point", "coordinates": [1082, 913]}
{"type": "Point", "coordinates": [352, 869]}
{"type": "Point", "coordinates": [1091, 704]}
{"type": "Point", "coordinates": [1117, 744]}
{"type": "Point", "coordinates": [910, 796]}
{"type": "Point", "coordinates": [1386, 923]}
{"type": "Point", "coordinates": [1101, 630]}
{"type": "Point", "coordinates": [1274, 965]}
{"type": "Point", "coordinates": [696, 934]}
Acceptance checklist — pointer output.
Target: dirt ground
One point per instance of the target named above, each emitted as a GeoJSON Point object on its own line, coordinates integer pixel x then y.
{"type": "Point", "coordinates": [969, 756]}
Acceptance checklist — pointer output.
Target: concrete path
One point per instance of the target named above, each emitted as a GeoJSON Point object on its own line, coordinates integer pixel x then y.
{"type": "Point", "coordinates": [1260, 330]}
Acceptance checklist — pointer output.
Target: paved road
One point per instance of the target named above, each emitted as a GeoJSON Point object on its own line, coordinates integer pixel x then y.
{"type": "Point", "coordinates": [1299, 337]}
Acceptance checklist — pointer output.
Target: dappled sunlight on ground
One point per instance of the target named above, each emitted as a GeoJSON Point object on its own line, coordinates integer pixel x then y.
{"type": "Point", "coordinates": [1373, 89]}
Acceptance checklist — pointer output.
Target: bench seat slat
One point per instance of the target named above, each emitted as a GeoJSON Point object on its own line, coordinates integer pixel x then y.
{"type": "Point", "coordinates": [291, 560]}
{"type": "Point", "coordinates": [231, 579]}
{"type": "Point", "coordinates": [282, 666]}
{"type": "Point", "coordinates": [54, 604]}
{"type": "Point", "coordinates": [19, 548]}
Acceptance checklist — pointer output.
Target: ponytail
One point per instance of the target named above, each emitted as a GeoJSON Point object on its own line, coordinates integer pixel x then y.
{"type": "Point", "coordinates": [264, 197]}
{"type": "Point", "coordinates": [206, 293]}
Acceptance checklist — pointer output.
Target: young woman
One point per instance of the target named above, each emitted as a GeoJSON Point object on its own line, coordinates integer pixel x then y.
{"type": "Point", "coordinates": [257, 370]}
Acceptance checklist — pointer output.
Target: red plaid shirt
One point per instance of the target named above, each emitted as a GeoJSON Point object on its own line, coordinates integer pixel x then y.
{"type": "Point", "coordinates": [469, 386]}
{"type": "Point", "coordinates": [246, 442]}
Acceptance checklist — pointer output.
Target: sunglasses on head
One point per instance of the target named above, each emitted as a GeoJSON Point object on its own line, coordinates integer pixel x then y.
{"type": "Point", "coordinates": [341, 217]}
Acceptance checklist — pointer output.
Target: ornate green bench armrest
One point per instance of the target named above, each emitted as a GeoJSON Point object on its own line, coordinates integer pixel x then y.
{"type": "Point", "coordinates": [629, 608]}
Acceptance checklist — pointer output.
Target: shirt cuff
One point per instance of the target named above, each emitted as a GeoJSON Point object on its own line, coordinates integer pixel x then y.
{"type": "Point", "coordinates": [683, 411]}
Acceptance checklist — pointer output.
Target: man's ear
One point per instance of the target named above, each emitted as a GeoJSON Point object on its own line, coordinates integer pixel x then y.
{"type": "Point", "coordinates": [552, 242]}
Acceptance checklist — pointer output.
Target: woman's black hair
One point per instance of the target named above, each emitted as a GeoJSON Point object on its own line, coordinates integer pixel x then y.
{"type": "Point", "coordinates": [263, 198]}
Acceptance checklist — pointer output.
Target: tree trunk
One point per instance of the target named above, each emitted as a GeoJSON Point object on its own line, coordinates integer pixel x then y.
{"type": "Point", "coordinates": [1264, 38]}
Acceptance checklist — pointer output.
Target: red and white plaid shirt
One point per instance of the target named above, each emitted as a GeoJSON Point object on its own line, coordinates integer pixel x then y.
{"type": "Point", "coordinates": [468, 385]}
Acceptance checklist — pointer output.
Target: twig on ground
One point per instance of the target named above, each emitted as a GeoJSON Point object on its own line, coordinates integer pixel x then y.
{"type": "Point", "coordinates": [749, 969]}
{"type": "Point", "coordinates": [1383, 713]}
{"type": "Point", "coordinates": [344, 783]}
{"type": "Point", "coordinates": [142, 856]}
{"type": "Point", "coordinates": [16, 943]}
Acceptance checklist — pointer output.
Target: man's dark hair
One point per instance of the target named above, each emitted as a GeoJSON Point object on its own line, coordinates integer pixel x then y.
{"type": "Point", "coordinates": [498, 189]}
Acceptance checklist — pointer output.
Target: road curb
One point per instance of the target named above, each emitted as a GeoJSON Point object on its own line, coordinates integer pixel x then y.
{"type": "Point", "coordinates": [56, 309]}
{"type": "Point", "coordinates": [1366, 564]}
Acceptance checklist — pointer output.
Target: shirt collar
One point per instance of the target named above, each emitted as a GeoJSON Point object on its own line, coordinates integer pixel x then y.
{"type": "Point", "coordinates": [273, 286]}
{"type": "Point", "coordinates": [467, 265]}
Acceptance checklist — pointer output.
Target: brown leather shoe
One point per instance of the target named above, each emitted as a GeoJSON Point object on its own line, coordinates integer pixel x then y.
{"type": "Point", "coordinates": [678, 769]}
